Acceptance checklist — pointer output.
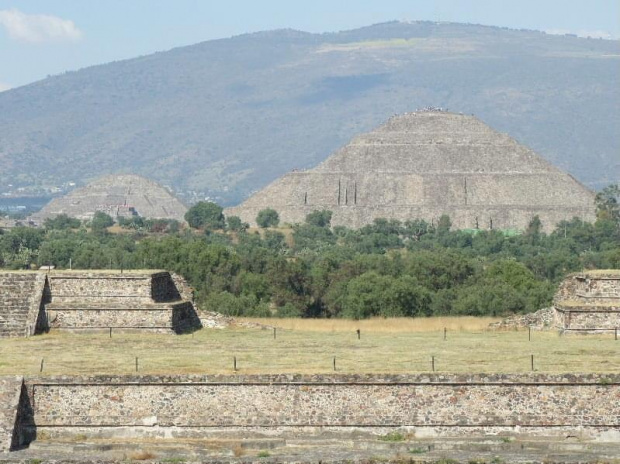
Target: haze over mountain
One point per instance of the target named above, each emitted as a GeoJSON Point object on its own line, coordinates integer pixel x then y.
{"type": "Point", "coordinates": [226, 117]}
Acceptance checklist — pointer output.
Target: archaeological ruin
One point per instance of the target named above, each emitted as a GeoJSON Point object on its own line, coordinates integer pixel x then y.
{"type": "Point", "coordinates": [423, 165]}
{"type": "Point", "coordinates": [121, 195]}
{"type": "Point", "coordinates": [90, 301]}
{"type": "Point", "coordinates": [588, 302]}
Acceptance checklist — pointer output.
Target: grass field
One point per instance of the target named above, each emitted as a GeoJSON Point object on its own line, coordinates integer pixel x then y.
{"type": "Point", "coordinates": [386, 346]}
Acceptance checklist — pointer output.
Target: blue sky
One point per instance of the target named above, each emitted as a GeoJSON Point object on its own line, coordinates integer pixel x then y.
{"type": "Point", "coordinates": [42, 37]}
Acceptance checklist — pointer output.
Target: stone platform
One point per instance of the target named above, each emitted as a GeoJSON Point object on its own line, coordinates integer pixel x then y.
{"type": "Point", "coordinates": [588, 302]}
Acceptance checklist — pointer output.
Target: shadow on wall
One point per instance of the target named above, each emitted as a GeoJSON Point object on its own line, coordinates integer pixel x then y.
{"type": "Point", "coordinates": [24, 431]}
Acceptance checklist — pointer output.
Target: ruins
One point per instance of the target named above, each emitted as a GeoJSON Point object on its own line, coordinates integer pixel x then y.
{"type": "Point", "coordinates": [588, 302]}
{"type": "Point", "coordinates": [121, 195]}
{"type": "Point", "coordinates": [422, 165]}
{"type": "Point", "coordinates": [86, 301]}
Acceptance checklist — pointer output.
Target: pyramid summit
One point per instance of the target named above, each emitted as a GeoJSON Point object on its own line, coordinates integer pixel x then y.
{"type": "Point", "coordinates": [422, 165]}
{"type": "Point", "coordinates": [122, 195]}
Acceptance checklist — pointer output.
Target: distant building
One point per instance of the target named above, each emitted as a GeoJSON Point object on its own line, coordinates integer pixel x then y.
{"type": "Point", "coordinates": [122, 195]}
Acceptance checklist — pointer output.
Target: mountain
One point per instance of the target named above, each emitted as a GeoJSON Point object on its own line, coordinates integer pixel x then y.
{"type": "Point", "coordinates": [224, 118]}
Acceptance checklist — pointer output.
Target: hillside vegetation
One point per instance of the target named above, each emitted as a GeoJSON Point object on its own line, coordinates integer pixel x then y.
{"type": "Point", "coordinates": [224, 118]}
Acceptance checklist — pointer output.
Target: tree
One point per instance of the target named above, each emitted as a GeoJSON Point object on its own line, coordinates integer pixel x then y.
{"type": "Point", "coordinates": [444, 224]}
{"type": "Point", "coordinates": [101, 221]}
{"type": "Point", "coordinates": [319, 218]}
{"type": "Point", "coordinates": [607, 203]}
{"type": "Point", "coordinates": [205, 214]}
{"type": "Point", "coordinates": [267, 218]}
{"type": "Point", "coordinates": [235, 224]}
{"type": "Point", "coordinates": [61, 222]}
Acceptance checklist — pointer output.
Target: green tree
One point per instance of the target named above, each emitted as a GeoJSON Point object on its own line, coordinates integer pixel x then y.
{"type": "Point", "coordinates": [607, 203]}
{"type": "Point", "coordinates": [267, 218]}
{"type": "Point", "coordinates": [235, 224]}
{"type": "Point", "coordinates": [61, 222]}
{"type": "Point", "coordinates": [101, 221]}
{"type": "Point", "coordinates": [205, 214]}
{"type": "Point", "coordinates": [319, 218]}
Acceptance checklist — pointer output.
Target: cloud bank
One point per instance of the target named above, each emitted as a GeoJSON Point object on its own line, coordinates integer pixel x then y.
{"type": "Point", "coordinates": [38, 28]}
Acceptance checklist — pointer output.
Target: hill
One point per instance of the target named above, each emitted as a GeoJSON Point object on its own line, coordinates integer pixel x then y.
{"type": "Point", "coordinates": [224, 118]}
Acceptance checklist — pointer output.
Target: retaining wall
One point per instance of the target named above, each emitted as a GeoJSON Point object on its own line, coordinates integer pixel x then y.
{"type": "Point", "coordinates": [446, 403]}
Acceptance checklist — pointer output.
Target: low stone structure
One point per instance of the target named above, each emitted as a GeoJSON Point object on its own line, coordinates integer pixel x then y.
{"type": "Point", "coordinates": [588, 302]}
{"type": "Point", "coordinates": [425, 164]}
{"type": "Point", "coordinates": [94, 301]}
{"type": "Point", "coordinates": [443, 405]}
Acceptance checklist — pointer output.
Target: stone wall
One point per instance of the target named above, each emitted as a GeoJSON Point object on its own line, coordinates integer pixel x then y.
{"type": "Point", "coordinates": [449, 403]}
{"type": "Point", "coordinates": [68, 286]}
{"type": "Point", "coordinates": [588, 302]}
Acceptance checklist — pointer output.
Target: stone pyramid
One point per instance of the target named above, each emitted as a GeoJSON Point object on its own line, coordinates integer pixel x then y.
{"type": "Point", "coordinates": [121, 195]}
{"type": "Point", "coordinates": [424, 164]}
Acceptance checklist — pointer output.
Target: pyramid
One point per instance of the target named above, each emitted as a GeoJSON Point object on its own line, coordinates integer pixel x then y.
{"type": "Point", "coordinates": [122, 195]}
{"type": "Point", "coordinates": [422, 165]}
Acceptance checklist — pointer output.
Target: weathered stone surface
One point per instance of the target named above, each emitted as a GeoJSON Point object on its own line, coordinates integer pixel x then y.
{"type": "Point", "coordinates": [21, 295]}
{"type": "Point", "coordinates": [444, 401]}
{"type": "Point", "coordinates": [588, 302]}
{"type": "Point", "coordinates": [31, 302]}
{"type": "Point", "coordinates": [10, 390]}
{"type": "Point", "coordinates": [120, 195]}
{"type": "Point", "coordinates": [425, 164]}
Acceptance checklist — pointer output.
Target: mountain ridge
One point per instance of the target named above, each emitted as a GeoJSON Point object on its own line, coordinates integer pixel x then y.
{"type": "Point", "coordinates": [223, 118]}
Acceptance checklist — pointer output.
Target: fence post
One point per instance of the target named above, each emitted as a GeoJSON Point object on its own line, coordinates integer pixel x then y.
{"type": "Point", "coordinates": [445, 332]}
{"type": "Point", "coordinates": [616, 333]}
{"type": "Point", "coordinates": [136, 364]}
{"type": "Point", "coordinates": [529, 333]}
{"type": "Point", "coordinates": [274, 333]}
{"type": "Point", "coordinates": [110, 332]}
{"type": "Point", "coordinates": [532, 362]}
{"type": "Point", "coordinates": [359, 334]}
{"type": "Point", "coordinates": [334, 362]}
{"type": "Point", "coordinates": [235, 363]}
{"type": "Point", "coordinates": [433, 363]}
{"type": "Point", "coordinates": [41, 369]}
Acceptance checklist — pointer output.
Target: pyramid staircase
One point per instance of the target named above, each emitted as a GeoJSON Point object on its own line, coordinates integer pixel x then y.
{"type": "Point", "coordinates": [20, 297]}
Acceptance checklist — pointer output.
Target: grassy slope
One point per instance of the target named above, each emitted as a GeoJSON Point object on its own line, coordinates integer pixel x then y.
{"type": "Point", "coordinates": [394, 346]}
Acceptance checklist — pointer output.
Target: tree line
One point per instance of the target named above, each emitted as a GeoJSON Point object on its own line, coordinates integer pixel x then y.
{"type": "Point", "coordinates": [387, 268]}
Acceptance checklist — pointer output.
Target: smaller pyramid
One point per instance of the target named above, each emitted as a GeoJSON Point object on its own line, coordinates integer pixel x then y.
{"type": "Point", "coordinates": [425, 164]}
{"type": "Point", "coordinates": [122, 195]}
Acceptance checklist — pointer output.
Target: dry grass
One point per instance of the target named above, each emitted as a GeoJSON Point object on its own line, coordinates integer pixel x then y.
{"type": "Point", "coordinates": [380, 325]}
{"type": "Point", "coordinates": [142, 456]}
{"type": "Point", "coordinates": [386, 346]}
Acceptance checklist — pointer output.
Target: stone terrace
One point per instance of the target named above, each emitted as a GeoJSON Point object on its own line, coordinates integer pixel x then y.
{"type": "Point", "coordinates": [589, 302]}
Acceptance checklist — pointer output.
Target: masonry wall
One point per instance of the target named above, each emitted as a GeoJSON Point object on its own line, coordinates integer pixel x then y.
{"type": "Point", "coordinates": [442, 401]}
{"type": "Point", "coordinates": [588, 302]}
{"type": "Point", "coordinates": [80, 286]}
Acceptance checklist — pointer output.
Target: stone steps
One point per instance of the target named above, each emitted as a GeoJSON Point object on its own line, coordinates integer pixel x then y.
{"type": "Point", "coordinates": [17, 290]}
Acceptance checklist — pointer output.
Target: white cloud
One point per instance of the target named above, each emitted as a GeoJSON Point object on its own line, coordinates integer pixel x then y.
{"type": "Point", "coordinates": [4, 86]}
{"type": "Point", "coordinates": [38, 28]}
